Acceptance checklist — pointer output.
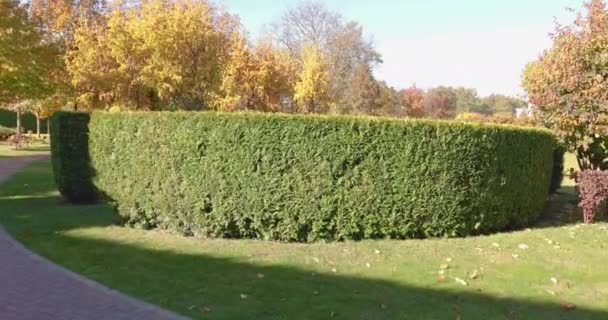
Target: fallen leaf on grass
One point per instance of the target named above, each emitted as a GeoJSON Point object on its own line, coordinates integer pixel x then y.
{"type": "Point", "coordinates": [377, 251]}
{"type": "Point", "coordinates": [448, 260]}
{"type": "Point", "coordinates": [496, 245]}
{"type": "Point", "coordinates": [260, 276]}
{"type": "Point", "coordinates": [523, 246]}
{"type": "Point", "coordinates": [474, 275]}
{"type": "Point", "coordinates": [316, 260]}
{"type": "Point", "coordinates": [551, 292]}
{"type": "Point", "coordinates": [368, 265]}
{"type": "Point", "coordinates": [206, 309]}
{"type": "Point", "coordinates": [334, 270]}
{"type": "Point", "coordinates": [383, 306]}
{"type": "Point", "coordinates": [243, 296]}
{"type": "Point", "coordinates": [515, 256]}
{"type": "Point", "coordinates": [554, 280]}
{"type": "Point", "coordinates": [568, 306]}
{"type": "Point", "coordinates": [461, 282]}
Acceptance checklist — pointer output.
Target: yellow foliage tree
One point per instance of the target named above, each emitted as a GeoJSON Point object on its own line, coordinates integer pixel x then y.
{"type": "Point", "coordinates": [159, 53]}
{"type": "Point", "coordinates": [312, 88]}
{"type": "Point", "coordinates": [261, 78]}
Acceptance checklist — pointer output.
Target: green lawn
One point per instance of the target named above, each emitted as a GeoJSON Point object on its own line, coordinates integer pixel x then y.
{"type": "Point", "coordinates": [37, 148]}
{"type": "Point", "coordinates": [508, 276]}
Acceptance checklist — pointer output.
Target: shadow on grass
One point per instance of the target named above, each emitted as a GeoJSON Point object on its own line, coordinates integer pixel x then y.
{"type": "Point", "coordinates": [210, 287]}
{"type": "Point", "coordinates": [231, 286]}
{"type": "Point", "coordinates": [562, 210]}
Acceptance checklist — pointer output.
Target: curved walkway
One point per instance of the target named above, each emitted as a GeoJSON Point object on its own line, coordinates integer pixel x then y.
{"type": "Point", "coordinates": [33, 288]}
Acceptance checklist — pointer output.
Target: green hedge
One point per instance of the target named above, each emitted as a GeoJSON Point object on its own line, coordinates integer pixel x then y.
{"type": "Point", "coordinates": [70, 157]}
{"type": "Point", "coordinates": [28, 121]}
{"type": "Point", "coordinates": [306, 178]}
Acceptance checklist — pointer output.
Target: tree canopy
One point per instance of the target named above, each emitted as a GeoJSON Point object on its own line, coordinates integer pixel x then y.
{"type": "Point", "coordinates": [193, 55]}
{"type": "Point", "coordinates": [569, 85]}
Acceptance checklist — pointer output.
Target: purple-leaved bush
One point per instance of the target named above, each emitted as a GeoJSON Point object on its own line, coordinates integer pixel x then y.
{"type": "Point", "coordinates": [593, 189]}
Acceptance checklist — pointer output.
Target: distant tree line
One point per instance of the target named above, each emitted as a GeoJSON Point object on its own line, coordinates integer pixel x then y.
{"type": "Point", "coordinates": [193, 55]}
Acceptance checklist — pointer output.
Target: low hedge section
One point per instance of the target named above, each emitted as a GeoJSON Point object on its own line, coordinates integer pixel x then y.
{"type": "Point", "coordinates": [304, 178]}
{"type": "Point", "coordinates": [8, 118]}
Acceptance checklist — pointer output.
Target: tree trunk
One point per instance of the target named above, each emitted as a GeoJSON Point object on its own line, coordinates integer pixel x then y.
{"type": "Point", "coordinates": [48, 126]}
{"type": "Point", "coordinates": [38, 125]}
{"type": "Point", "coordinates": [18, 123]}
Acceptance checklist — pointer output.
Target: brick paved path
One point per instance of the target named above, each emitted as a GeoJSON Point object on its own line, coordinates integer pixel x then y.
{"type": "Point", "coordinates": [32, 288]}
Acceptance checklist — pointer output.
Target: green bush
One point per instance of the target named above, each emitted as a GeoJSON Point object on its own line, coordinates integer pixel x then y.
{"type": "Point", "coordinates": [70, 157]}
{"type": "Point", "coordinates": [306, 178]}
{"type": "Point", "coordinates": [6, 133]}
{"type": "Point", "coordinates": [28, 121]}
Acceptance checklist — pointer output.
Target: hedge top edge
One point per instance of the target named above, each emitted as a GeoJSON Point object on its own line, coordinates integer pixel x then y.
{"type": "Point", "coordinates": [327, 117]}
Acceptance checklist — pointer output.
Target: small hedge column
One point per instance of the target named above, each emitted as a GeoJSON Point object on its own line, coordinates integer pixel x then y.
{"type": "Point", "coordinates": [70, 157]}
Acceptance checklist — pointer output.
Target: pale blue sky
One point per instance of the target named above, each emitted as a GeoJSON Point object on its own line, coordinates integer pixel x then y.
{"type": "Point", "coordinates": [483, 44]}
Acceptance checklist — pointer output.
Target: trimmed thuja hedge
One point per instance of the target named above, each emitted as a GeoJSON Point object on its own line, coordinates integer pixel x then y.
{"type": "Point", "coordinates": [304, 178]}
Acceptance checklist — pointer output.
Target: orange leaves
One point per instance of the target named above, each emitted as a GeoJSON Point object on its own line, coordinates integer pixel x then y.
{"type": "Point", "coordinates": [569, 84]}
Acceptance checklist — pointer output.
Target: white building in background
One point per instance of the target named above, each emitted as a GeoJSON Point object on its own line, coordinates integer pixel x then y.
{"type": "Point", "coordinates": [526, 112]}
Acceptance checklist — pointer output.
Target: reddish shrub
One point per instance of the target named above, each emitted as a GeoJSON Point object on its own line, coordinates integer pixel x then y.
{"type": "Point", "coordinates": [593, 188]}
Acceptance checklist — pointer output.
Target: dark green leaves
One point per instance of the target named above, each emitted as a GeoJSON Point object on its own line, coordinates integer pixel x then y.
{"type": "Point", "coordinates": [307, 178]}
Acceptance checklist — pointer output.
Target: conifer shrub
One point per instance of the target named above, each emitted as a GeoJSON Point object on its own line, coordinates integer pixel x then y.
{"type": "Point", "coordinates": [307, 178]}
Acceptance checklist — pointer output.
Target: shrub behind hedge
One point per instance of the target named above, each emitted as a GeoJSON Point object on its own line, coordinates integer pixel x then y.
{"type": "Point", "coordinates": [304, 178]}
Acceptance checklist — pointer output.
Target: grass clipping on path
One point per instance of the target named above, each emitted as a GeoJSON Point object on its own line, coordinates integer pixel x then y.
{"type": "Point", "coordinates": [549, 273]}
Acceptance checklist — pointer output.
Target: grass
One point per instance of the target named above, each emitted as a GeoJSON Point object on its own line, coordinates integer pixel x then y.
{"type": "Point", "coordinates": [37, 148]}
{"type": "Point", "coordinates": [244, 279]}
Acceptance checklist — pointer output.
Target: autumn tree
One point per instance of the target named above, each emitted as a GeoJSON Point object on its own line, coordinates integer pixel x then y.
{"type": "Point", "coordinates": [276, 74]}
{"type": "Point", "coordinates": [60, 17]}
{"type": "Point", "coordinates": [312, 88]}
{"type": "Point", "coordinates": [412, 100]}
{"type": "Point", "coordinates": [363, 93]}
{"type": "Point", "coordinates": [569, 86]}
{"type": "Point", "coordinates": [440, 102]}
{"type": "Point", "coordinates": [341, 42]}
{"type": "Point", "coordinates": [388, 102]}
{"type": "Point", "coordinates": [160, 54]}
{"type": "Point", "coordinates": [257, 78]}
{"type": "Point", "coordinates": [27, 62]}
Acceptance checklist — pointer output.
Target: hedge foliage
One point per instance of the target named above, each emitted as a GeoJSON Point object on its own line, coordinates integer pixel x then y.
{"type": "Point", "coordinates": [28, 121]}
{"type": "Point", "coordinates": [307, 178]}
{"type": "Point", "coordinates": [70, 157]}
